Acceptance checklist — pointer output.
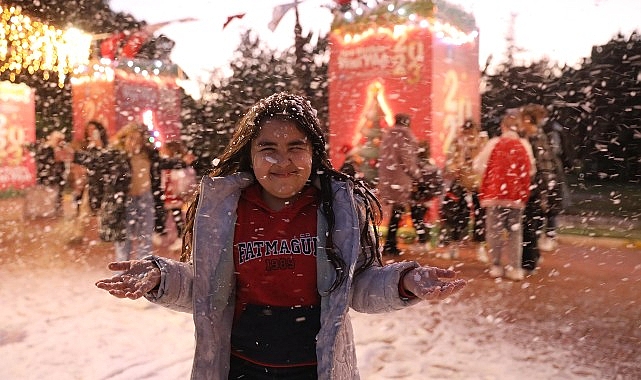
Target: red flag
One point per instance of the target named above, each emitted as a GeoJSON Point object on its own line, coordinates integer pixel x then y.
{"type": "Point", "coordinates": [110, 45]}
{"type": "Point", "coordinates": [131, 45]}
{"type": "Point", "coordinates": [134, 43]}
{"type": "Point", "coordinates": [238, 16]}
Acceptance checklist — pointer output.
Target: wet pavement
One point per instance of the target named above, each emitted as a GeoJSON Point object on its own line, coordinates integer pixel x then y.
{"type": "Point", "coordinates": [584, 297]}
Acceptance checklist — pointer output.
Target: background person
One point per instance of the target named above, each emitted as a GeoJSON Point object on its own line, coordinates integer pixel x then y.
{"type": "Point", "coordinates": [131, 174]}
{"type": "Point", "coordinates": [545, 201]}
{"type": "Point", "coordinates": [178, 187]}
{"type": "Point", "coordinates": [399, 169]}
{"type": "Point", "coordinates": [461, 202]}
{"type": "Point", "coordinates": [51, 170]}
{"type": "Point", "coordinates": [507, 165]}
{"type": "Point", "coordinates": [94, 143]}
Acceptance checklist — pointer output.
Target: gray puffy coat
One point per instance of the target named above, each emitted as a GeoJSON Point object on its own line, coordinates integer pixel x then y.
{"type": "Point", "coordinates": [206, 287]}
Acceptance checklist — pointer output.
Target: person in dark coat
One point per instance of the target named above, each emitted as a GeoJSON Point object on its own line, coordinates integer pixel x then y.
{"type": "Point", "coordinates": [95, 141]}
{"type": "Point", "coordinates": [50, 165]}
{"type": "Point", "coordinates": [399, 171]}
{"type": "Point", "coordinates": [545, 198]}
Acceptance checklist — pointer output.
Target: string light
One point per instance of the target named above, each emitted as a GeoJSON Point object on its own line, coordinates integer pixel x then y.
{"type": "Point", "coordinates": [397, 20]}
{"type": "Point", "coordinates": [30, 46]}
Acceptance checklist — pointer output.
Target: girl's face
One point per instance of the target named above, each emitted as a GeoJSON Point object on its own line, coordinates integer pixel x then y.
{"type": "Point", "coordinates": [281, 157]}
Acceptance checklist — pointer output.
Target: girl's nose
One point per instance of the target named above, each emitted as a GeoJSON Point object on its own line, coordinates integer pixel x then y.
{"type": "Point", "coordinates": [278, 159]}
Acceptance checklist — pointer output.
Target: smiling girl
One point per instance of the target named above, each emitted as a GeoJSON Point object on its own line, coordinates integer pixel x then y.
{"type": "Point", "coordinates": [279, 245]}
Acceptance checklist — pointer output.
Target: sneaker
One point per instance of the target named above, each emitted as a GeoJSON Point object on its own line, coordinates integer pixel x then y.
{"type": "Point", "coordinates": [453, 253]}
{"type": "Point", "coordinates": [450, 254]}
{"type": "Point", "coordinates": [496, 271]}
{"type": "Point", "coordinates": [481, 254]}
{"type": "Point", "coordinates": [176, 245]}
{"type": "Point", "coordinates": [515, 274]}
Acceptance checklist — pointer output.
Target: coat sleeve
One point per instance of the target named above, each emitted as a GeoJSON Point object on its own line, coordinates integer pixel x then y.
{"type": "Point", "coordinates": [175, 289]}
{"type": "Point", "coordinates": [376, 289]}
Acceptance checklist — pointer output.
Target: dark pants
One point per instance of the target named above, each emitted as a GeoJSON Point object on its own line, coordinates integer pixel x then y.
{"type": "Point", "coordinates": [455, 215]}
{"type": "Point", "coordinates": [418, 215]}
{"type": "Point", "coordinates": [532, 224]}
{"type": "Point", "coordinates": [479, 219]}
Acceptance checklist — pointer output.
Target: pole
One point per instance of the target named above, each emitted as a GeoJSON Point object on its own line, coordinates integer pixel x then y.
{"type": "Point", "coordinates": [299, 43]}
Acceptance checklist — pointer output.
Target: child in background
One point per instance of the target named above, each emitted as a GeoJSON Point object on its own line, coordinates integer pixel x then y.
{"type": "Point", "coordinates": [178, 186]}
{"type": "Point", "coordinates": [278, 246]}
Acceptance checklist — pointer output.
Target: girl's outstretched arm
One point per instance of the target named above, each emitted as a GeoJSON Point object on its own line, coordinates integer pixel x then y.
{"type": "Point", "coordinates": [137, 278]}
{"type": "Point", "coordinates": [426, 283]}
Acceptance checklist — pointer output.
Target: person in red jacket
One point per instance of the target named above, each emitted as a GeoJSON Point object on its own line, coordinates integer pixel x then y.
{"type": "Point", "coordinates": [506, 166]}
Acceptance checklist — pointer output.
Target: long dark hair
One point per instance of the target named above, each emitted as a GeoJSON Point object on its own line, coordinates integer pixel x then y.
{"type": "Point", "coordinates": [236, 158]}
{"type": "Point", "coordinates": [101, 130]}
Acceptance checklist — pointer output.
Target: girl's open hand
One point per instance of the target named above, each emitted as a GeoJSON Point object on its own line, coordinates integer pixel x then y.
{"type": "Point", "coordinates": [425, 283]}
{"type": "Point", "coordinates": [138, 278]}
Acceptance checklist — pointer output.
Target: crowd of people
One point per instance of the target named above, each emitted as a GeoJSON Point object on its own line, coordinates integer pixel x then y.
{"type": "Point", "coordinates": [125, 181]}
{"type": "Point", "coordinates": [500, 194]}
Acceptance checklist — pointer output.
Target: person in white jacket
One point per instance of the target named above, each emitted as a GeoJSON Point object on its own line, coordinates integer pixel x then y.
{"type": "Point", "coordinates": [278, 246]}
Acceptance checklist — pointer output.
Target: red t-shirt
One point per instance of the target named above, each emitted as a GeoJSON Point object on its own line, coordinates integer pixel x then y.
{"type": "Point", "coordinates": [277, 303]}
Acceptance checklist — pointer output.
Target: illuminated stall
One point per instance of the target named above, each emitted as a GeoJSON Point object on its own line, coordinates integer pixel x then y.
{"type": "Point", "coordinates": [116, 93]}
{"type": "Point", "coordinates": [28, 46]}
{"type": "Point", "coordinates": [17, 131]}
{"type": "Point", "coordinates": [416, 57]}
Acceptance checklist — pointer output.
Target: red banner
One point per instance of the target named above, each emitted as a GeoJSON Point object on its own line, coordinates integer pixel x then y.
{"type": "Point", "coordinates": [93, 100]}
{"type": "Point", "coordinates": [414, 72]}
{"type": "Point", "coordinates": [124, 97]}
{"type": "Point", "coordinates": [17, 132]}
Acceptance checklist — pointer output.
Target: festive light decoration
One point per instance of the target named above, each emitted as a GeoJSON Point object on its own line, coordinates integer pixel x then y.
{"type": "Point", "coordinates": [154, 134]}
{"type": "Point", "coordinates": [105, 70]}
{"type": "Point", "coordinates": [29, 46]}
{"type": "Point", "coordinates": [396, 19]}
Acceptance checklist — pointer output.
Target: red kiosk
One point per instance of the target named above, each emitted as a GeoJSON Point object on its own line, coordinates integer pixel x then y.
{"type": "Point", "coordinates": [17, 130]}
{"type": "Point", "coordinates": [116, 93]}
{"type": "Point", "coordinates": [404, 56]}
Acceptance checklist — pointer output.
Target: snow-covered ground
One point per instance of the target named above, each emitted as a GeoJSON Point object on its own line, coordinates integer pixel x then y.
{"type": "Point", "coordinates": [57, 325]}
{"type": "Point", "coordinates": [578, 318]}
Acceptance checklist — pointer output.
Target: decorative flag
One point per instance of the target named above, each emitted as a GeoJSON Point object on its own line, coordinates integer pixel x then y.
{"type": "Point", "coordinates": [279, 12]}
{"type": "Point", "coordinates": [134, 43]}
{"type": "Point", "coordinates": [109, 46]}
{"type": "Point", "coordinates": [128, 44]}
{"type": "Point", "coordinates": [229, 18]}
